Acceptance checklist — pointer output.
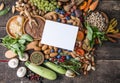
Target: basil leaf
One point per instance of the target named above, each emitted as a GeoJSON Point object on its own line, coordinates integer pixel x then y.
{"type": "Point", "coordinates": [90, 32]}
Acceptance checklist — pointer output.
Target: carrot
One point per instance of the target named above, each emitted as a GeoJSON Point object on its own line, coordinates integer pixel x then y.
{"type": "Point", "coordinates": [93, 6]}
{"type": "Point", "coordinates": [80, 36]}
{"type": "Point", "coordinates": [83, 6]}
{"type": "Point", "coordinates": [87, 7]}
{"type": "Point", "coordinates": [80, 51]}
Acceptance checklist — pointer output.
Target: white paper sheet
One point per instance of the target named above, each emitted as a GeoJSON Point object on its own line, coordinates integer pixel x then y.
{"type": "Point", "coordinates": [59, 35]}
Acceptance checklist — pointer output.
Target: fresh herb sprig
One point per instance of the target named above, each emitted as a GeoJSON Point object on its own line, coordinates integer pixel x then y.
{"type": "Point", "coordinates": [73, 65]}
{"type": "Point", "coordinates": [93, 33]}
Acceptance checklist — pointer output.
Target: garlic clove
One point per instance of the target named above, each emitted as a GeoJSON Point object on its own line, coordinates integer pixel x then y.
{"type": "Point", "coordinates": [13, 63]}
{"type": "Point", "coordinates": [70, 73]}
{"type": "Point", "coordinates": [24, 58]}
{"type": "Point", "coordinates": [21, 71]}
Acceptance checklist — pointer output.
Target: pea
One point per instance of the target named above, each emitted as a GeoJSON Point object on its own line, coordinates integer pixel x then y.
{"type": "Point", "coordinates": [5, 11]}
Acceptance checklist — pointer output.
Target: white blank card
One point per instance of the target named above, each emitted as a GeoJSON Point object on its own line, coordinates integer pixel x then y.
{"type": "Point", "coordinates": [59, 35]}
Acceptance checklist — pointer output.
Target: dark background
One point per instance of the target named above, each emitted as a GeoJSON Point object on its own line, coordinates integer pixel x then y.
{"type": "Point", "coordinates": [107, 56]}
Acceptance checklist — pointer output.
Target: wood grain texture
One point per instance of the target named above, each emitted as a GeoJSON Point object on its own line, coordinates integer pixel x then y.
{"type": "Point", "coordinates": [107, 56]}
{"type": "Point", "coordinates": [107, 71]}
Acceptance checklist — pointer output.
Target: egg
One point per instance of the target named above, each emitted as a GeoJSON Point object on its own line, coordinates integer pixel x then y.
{"type": "Point", "coordinates": [13, 63]}
{"type": "Point", "coordinates": [21, 71]}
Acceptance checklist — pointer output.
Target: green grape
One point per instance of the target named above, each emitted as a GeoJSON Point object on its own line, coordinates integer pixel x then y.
{"type": "Point", "coordinates": [45, 5]}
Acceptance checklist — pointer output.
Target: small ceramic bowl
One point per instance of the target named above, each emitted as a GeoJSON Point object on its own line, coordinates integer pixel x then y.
{"type": "Point", "coordinates": [37, 58]}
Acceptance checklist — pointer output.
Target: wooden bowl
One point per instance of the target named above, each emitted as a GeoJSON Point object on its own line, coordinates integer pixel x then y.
{"type": "Point", "coordinates": [8, 30]}
{"type": "Point", "coordinates": [106, 19]}
{"type": "Point", "coordinates": [32, 31]}
{"type": "Point", "coordinates": [37, 58]}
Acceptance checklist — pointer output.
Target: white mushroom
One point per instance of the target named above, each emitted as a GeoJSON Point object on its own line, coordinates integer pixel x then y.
{"type": "Point", "coordinates": [13, 63]}
{"type": "Point", "coordinates": [21, 71]}
{"type": "Point", "coordinates": [25, 57]}
{"type": "Point", "coordinates": [70, 73]}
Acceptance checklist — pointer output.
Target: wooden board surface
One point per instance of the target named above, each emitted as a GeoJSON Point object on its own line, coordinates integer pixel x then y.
{"type": "Point", "coordinates": [107, 56]}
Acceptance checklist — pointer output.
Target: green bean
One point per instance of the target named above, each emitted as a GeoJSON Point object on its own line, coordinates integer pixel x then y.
{"type": "Point", "coordinates": [5, 11]}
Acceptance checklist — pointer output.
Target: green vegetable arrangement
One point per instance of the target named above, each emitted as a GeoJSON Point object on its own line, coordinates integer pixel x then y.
{"type": "Point", "coordinates": [93, 33]}
{"type": "Point", "coordinates": [73, 65]}
{"type": "Point", "coordinates": [45, 5]}
{"type": "Point", "coordinates": [17, 45]}
{"type": "Point", "coordinates": [42, 71]}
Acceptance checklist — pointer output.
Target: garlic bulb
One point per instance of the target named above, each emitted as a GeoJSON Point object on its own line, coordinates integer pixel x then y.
{"type": "Point", "coordinates": [13, 63]}
{"type": "Point", "coordinates": [25, 57]}
{"type": "Point", "coordinates": [70, 73]}
{"type": "Point", "coordinates": [21, 71]}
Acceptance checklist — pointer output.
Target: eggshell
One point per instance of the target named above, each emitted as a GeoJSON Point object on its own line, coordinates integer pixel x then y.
{"type": "Point", "coordinates": [10, 54]}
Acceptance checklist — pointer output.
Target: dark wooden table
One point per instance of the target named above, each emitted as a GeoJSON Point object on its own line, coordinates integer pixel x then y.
{"type": "Point", "coordinates": [107, 56]}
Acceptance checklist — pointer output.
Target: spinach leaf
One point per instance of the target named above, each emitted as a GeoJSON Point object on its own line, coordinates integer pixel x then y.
{"type": "Point", "coordinates": [90, 31]}
{"type": "Point", "coordinates": [93, 33]}
{"type": "Point", "coordinates": [16, 45]}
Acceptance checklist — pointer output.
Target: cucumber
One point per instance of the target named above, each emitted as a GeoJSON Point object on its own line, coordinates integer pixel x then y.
{"type": "Point", "coordinates": [55, 67]}
{"type": "Point", "coordinates": [43, 72]}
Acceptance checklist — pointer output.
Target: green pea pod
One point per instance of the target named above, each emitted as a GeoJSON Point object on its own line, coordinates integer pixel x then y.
{"type": "Point", "coordinates": [26, 37]}
{"type": "Point", "coordinates": [5, 11]}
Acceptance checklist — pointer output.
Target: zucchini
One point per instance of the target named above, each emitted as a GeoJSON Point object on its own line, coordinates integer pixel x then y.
{"type": "Point", "coordinates": [55, 67]}
{"type": "Point", "coordinates": [43, 72]}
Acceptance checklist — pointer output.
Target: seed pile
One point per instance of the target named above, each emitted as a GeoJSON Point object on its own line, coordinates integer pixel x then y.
{"type": "Point", "coordinates": [96, 19]}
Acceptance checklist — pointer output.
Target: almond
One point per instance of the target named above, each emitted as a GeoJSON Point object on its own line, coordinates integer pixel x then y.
{"type": "Point", "coordinates": [2, 6]}
{"type": "Point", "coordinates": [53, 54]}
